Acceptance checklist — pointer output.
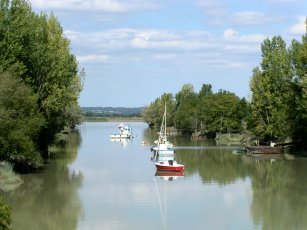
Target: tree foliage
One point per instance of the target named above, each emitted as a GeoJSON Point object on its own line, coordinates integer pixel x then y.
{"type": "Point", "coordinates": [5, 215]}
{"type": "Point", "coordinates": [279, 87]}
{"type": "Point", "coordinates": [154, 112]}
{"type": "Point", "coordinates": [20, 122]}
{"type": "Point", "coordinates": [270, 85]}
{"type": "Point", "coordinates": [298, 52]}
{"type": "Point", "coordinates": [34, 50]}
{"type": "Point", "coordinates": [203, 112]}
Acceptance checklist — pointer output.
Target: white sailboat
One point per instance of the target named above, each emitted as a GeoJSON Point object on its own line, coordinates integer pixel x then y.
{"type": "Point", "coordinates": [164, 154]}
{"type": "Point", "coordinates": [163, 146]}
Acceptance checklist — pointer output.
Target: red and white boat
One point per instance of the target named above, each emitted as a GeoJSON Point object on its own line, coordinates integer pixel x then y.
{"type": "Point", "coordinates": [169, 165]}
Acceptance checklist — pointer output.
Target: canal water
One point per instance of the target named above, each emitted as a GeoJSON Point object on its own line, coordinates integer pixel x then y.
{"type": "Point", "coordinates": [94, 183]}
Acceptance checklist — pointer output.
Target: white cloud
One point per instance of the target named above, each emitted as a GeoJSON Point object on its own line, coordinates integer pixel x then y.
{"type": "Point", "coordinates": [252, 18]}
{"type": "Point", "coordinates": [126, 45]}
{"type": "Point", "coordinates": [230, 34]}
{"type": "Point", "coordinates": [93, 58]}
{"type": "Point", "coordinates": [212, 7]}
{"type": "Point", "coordinates": [300, 27]}
{"type": "Point", "coordinates": [94, 5]}
{"type": "Point", "coordinates": [233, 35]}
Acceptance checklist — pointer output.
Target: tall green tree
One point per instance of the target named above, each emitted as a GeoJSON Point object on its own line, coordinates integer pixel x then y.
{"type": "Point", "coordinates": [153, 114]}
{"type": "Point", "coordinates": [186, 116]}
{"type": "Point", "coordinates": [204, 108]}
{"type": "Point", "coordinates": [33, 47]}
{"type": "Point", "coordinates": [270, 86]}
{"type": "Point", "coordinates": [186, 90]}
{"type": "Point", "coordinates": [298, 52]}
{"type": "Point", "coordinates": [224, 110]}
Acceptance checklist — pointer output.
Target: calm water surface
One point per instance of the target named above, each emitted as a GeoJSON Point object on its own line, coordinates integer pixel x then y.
{"type": "Point", "coordinates": [94, 183]}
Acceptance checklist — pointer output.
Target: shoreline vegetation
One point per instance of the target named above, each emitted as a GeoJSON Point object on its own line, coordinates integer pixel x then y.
{"type": "Point", "coordinates": [276, 111]}
{"type": "Point", "coordinates": [40, 83]}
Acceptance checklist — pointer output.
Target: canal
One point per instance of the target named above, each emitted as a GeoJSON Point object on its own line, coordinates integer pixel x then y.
{"type": "Point", "coordinates": [94, 183]}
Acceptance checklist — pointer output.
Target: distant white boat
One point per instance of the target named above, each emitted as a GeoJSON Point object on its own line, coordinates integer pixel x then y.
{"type": "Point", "coordinates": [124, 132]}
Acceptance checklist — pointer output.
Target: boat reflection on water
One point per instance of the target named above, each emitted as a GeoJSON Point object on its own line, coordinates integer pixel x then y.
{"type": "Point", "coordinates": [169, 176]}
{"type": "Point", "coordinates": [124, 141]}
{"type": "Point", "coordinates": [166, 176]}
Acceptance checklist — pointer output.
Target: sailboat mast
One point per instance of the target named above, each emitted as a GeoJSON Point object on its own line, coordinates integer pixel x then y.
{"type": "Point", "coordinates": [165, 122]}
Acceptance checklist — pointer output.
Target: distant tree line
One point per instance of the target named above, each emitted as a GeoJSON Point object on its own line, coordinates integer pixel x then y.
{"type": "Point", "coordinates": [39, 83]}
{"type": "Point", "coordinates": [203, 112]}
{"type": "Point", "coordinates": [277, 109]}
{"type": "Point", "coordinates": [112, 112]}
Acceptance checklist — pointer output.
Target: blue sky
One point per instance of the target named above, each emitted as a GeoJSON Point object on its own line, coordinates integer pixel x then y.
{"type": "Point", "coordinates": [135, 50]}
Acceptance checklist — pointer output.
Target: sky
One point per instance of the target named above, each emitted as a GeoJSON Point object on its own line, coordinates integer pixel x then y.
{"type": "Point", "coordinates": [133, 51]}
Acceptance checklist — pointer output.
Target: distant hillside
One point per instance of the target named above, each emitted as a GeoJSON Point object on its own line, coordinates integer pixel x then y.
{"type": "Point", "coordinates": [112, 111]}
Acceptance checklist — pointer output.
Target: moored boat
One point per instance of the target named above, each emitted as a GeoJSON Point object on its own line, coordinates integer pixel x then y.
{"type": "Point", "coordinates": [169, 165]}
{"type": "Point", "coordinates": [164, 154]}
{"type": "Point", "coordinates": [124, 132]}
{"type": "Point", "coordinates": [163, 146]}
{"type": "Point", "coordinates": [263, 149]}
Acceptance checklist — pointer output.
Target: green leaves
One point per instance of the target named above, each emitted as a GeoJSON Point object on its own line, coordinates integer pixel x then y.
{"type": "Point", "coordinates": [298, 53]}
{"type": "Point", "coordinates": [278, 89]}
{"type": "Point", "coordinates": [204, 111]}
{"type": "Point", "coordinates": [20, 122]}
{"type": "Point", "coordinates": [35, 51]}
{"type": "Point", "coordinates": [269, 86]}
{"type": "Point", "coordinates": [5, 215]}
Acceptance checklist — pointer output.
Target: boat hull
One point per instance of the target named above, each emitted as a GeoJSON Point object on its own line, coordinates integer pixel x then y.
{"type": "Point", "coordinates": [264, 150]}
{"type": "Point", "coordinates": [170, 168]}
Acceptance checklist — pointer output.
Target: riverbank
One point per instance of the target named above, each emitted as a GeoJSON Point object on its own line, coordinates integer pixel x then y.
{"type": "Point", "coordinates": [9, 180]}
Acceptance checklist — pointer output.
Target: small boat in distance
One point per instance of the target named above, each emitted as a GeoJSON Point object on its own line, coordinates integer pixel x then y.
{"type": "Point", "coordinates": [124, 132]}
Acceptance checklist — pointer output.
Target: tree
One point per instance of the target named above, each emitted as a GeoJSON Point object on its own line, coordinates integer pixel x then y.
{"type": "Point", "coordinates": [270, 87]}
{"type": "Point", "coordinates": [186, 116]}
{"type": "Point", "coordinates": [298, 52]}
{"type": "Point", "coordinates": [20, 123]}
{"type": "Point", "coordinates": [153, 113]}
{"type": "Point", "coordinates": [204, 108]}
{"type": "Point", "coordinates": [186, 90]}
{"type": "Point", "coordinates": [5, 215]}
{"type": "Point", "coordinates": [223, 112]}
{"type": "Point", "coordinates": [34, 48]}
